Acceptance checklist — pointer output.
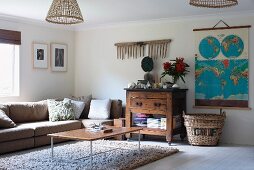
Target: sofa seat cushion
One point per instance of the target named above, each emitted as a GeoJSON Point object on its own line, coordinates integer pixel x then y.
{"type": "Point", "coordinates": [18, 132]}
{"type": "Point", "coordinates": [89, 122]}
{"type": "Point", "coordinates": [47, 127]}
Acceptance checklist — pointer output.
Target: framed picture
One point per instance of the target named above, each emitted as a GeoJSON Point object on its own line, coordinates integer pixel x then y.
{"type": "Point", "coordinates": [59, 57]}
{"type": "Point", "coordinates": [40, 55]}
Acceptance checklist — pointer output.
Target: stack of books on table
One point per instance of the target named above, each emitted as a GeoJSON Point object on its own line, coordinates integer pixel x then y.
{"type": "Point", "coordinates": [153, 123]}
{"type": "Point", "coordinates": [140, 120]}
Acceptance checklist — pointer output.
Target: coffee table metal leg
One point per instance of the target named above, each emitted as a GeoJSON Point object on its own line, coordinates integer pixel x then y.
{"type": "Point", "coordinates": [52, 147]}
{"type": "Point", "coordinates": [139, 141]}
{"type": "Point", "coordinates": [91, 153]}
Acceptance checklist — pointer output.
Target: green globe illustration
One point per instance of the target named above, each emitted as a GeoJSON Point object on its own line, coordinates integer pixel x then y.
{"type": "Point", "coordinates": [209, 47]}
{"type": "Point", "coordinates": [232, 46]}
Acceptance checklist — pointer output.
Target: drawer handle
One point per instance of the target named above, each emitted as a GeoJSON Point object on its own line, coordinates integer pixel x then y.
{"type": "Point", "coordinates": [139, 103]}
{"type": "Point", "coordinates": [157, 104]}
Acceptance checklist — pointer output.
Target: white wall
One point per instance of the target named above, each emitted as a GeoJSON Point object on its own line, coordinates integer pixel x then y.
{"type": "Point", "coordinates": [37, 84]}
{"type": "Point", "coordinates": [98, 71]}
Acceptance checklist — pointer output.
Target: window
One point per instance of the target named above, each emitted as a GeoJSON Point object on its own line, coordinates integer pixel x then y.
{"type": "Point", "coordinates": [9, 70]}
{"type": "Point", "coordinates": [9, 63]}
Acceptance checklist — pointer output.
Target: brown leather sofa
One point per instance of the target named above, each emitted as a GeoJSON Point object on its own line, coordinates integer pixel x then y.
{"type": "Point", "coordinates": [33, 125]}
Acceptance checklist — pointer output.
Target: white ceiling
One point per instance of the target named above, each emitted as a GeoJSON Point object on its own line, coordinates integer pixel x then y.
{"type": "Point", "coordinates": [104, 12]}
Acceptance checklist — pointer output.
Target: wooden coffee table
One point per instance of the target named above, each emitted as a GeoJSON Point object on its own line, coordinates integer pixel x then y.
{"type": "Point", "coordinates": [86, 135]}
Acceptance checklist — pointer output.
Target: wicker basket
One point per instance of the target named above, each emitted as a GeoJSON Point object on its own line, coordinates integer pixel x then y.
{"type": "Point", "coordinates": [204, 129]}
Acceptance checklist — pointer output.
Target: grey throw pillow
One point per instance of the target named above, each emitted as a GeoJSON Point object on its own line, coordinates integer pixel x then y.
{"type": "Point", "coordinates": [60, 110]}
{"type": "Point", "coordinates": [78, 107]}
{"type": "Point", "coordinates": [5, 121]}
{"type": "Point", "coordinates": [87, 101]}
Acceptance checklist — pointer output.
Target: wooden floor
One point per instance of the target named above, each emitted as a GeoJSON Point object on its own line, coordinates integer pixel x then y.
{"type": "Point", "coordinates": [223, 157]}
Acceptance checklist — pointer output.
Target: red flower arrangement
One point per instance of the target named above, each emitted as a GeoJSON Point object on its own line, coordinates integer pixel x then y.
{"type": "Point", "coordinates": [177, 69]}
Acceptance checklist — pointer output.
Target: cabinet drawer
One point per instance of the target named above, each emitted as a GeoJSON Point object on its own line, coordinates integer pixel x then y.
{"type": "Point", "coordinates": [148, 95]}
{"type": "Point", "coordinates": [149, 104]}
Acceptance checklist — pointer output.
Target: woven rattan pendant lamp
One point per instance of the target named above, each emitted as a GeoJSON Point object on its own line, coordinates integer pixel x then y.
{"type": "Point", "coordinates": [64, 12]}
{"type": "Point", "coordinates": [213, 3]}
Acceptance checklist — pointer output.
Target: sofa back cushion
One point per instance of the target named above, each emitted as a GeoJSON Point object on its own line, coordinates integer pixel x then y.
{"type": "Point", "coordinates": [28, 111]}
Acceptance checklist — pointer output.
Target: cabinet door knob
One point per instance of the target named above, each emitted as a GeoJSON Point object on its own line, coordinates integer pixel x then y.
{"type": "Point", "coordinates": [139, 103]}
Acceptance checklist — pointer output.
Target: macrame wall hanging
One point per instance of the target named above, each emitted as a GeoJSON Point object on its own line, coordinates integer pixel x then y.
{"type": "Point", "coordinates": [155, 49]}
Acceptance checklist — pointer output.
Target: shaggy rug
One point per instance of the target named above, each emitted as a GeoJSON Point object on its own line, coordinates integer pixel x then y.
{"type": "Point", "coordinates": [71, 155]}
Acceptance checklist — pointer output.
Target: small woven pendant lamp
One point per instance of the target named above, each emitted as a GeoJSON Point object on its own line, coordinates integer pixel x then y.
{"type": "Point", "coordinates": [213, 3]}
{"type": "Point", "coordinates": [64, 12]}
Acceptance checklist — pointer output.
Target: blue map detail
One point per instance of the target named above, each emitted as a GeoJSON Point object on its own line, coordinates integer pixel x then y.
{"type": "Point", "coordinates": [217, 79]}
{"type": "Point", "coordinates": [232, 46]}
{"type": "Point", "coordinates": [209, 47]}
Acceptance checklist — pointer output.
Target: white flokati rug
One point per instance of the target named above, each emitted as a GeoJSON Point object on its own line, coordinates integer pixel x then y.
{"type": "Point", "coordinates": [70, 156]}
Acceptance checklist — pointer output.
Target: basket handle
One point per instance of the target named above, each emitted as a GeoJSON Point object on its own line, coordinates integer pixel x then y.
{"type": "Point", "coordinates": [223, 113]}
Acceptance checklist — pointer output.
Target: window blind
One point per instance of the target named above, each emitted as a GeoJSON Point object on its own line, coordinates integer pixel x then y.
{"type": "Point", "coordinates": [10, 37]}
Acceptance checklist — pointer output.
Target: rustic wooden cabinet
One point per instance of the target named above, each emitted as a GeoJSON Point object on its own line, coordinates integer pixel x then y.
{"type": "Point", "coordinates": [169, 103]}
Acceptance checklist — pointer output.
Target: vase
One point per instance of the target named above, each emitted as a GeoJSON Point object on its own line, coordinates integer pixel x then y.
{"type": "Point", "coordinates": [175, 85]}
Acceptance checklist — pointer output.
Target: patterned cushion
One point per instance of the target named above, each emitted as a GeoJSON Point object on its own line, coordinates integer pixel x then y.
{"type": "Point", "coordinates": [60, 110]}
{"type": "Point", "coordinates": [5, 121]}
{"type": "Point", "coordinates": [78, 107]}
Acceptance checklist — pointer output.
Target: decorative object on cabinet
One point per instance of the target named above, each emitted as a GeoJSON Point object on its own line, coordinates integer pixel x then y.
{"type": "Point", "coordinates": [40, 55]}
{"type": "Point", "coordinates": [213, 3]}
{"type": "Point", "coordinates": [204, 129]}
{"type": "Point", "coordinates": [147, 66]}
{"type": "Point", "coordinates": [64, 12]}
{"type": "Point", "coordinates": [156, 49]}
{"type": "Point", "coordinates": [59, 57]}
{"type": "Point", "coordinates": [177, 69]}
{"type": "Point", "coordinates": [157, 103]}
{"type": "Point", "coordinates": [131, 85]}
{"type": "Point", "coordinates": [221, 66]}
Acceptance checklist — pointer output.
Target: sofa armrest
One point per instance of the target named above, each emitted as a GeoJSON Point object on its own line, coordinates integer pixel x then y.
{"type": "Point", "coordinates": [116, 110]}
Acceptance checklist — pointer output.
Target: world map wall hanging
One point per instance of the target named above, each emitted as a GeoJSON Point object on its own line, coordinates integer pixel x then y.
{"type": "Point", "coordinates": [222, 67]}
